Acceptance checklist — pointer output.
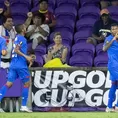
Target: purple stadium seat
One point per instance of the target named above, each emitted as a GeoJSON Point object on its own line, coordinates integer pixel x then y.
{"type": "Point", "coordinates": [21, 2]}
{"type": "Point", "coordinates": [86, 48]}
{"type": "Point", "coordinates": [41, 49]}
{"type": "Point", "coordinates": [35, 3]}
{"type": "Point", "coordinates": [113, 12]}
{"type": "Point", "coordinates": [101, 60]}
{"type": "Point", "coordinates": [85, 23]}
{"type": "Point", "coordinates": [72, 2]}
{"type": "Point", "coordinates": [66, 12]}
{"type": "Point", "coordinates": [99, 50]}
{"type": "Point", "coordinates": [2, 4]}
{"type": "Point", "coordinates": [2, 1]}
{"type": "Point", "coordinates": [67, 37]}
{"type": "Point", "coordinates": [19, 16]}
{"type": "Point", "coordinates": [19, 19]}
{"type": "Point", "coordinates": [82, 35]}
{"type": "Point", "coordinates": [39, 59]}
{"type": "Point", "coordinates": [52, 3]}
{"type": "Point", "coordinates": [15, 90]}
{"type": "Point", "coordinates": [81, 60]}
{"type": "Point", "coordinates": [89, 12]}
{"type": "Point", "coordinates": [50, 9]}
{"type": "Point", "coordinates": [16, 9]}
{"type": "Point", "coordinates": [89, 2]}
{"type": "Point", "coordinates": [68, 25]}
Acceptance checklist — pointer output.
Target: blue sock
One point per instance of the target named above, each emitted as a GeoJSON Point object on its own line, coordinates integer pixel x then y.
{"type": "Point", "coordinates": [112, 94]}
{"type": "Point", "coordinates": [3, 91]}
{"type": "Point", "coordinates": [25, 92]}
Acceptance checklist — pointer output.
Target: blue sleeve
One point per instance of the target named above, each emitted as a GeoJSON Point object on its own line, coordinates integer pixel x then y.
{"type": "Point", "coordinates": [107, 40]}
{"type": "Point", "coordinates": [18, 41]}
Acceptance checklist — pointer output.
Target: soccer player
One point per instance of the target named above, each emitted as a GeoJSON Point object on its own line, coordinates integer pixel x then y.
{"type": "Point", "coordinates": [18, 67]}
{"type": "Point", "coordinates": [111, 46]}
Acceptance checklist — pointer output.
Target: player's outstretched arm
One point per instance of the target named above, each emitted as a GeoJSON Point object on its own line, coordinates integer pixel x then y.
{"type": "Point", "coordinates": [108, 44]}
{"type": "Point", "coordinates": [17, 50]}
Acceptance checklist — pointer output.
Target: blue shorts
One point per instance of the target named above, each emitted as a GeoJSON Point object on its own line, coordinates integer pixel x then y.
{"type": "Point", "coordinates": [22, 74]}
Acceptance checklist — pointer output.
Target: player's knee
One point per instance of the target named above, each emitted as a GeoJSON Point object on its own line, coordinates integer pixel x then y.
{"type": "Point", "coordinates": [27, 84]}
{"type": "Point", "coordinates": [9, 84]}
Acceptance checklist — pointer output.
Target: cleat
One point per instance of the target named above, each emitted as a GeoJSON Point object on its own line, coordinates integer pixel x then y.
{"type": "Point", "coordinates": [25, 109]}
{"type": "Point", "coordinates": [109, 110]}
{"type": "Point", "coordinates": [116, 109]}
{"type": "Point", "coordinates": [1, 110]}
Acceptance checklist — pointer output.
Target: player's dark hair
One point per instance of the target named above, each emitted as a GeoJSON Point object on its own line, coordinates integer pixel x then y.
{"type": "Point", "coordinates": [19, 28]}
{"type": "Point", "coordinates": [114, 24]}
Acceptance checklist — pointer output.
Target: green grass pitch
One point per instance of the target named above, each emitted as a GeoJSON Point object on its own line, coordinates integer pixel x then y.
{"type": "Point", "coordinates": [60, 115]}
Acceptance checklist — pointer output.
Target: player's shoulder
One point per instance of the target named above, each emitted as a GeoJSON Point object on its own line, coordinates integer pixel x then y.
{"type": "Point", "coordinates": [110, 37]}
{"type": "Point", "coordinates": [20, 38]}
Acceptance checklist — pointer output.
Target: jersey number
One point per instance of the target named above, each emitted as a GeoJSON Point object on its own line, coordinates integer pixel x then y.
{"type": "Point", "coordinates": [13, 52]}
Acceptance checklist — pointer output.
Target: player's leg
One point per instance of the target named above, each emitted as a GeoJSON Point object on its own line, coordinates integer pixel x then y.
{"type": "Point", "coordinates": [25, 77]}
{"type": "Point", "coordinates": [111, 97]}
{"type": "Point", "coordinates": [11, 78]}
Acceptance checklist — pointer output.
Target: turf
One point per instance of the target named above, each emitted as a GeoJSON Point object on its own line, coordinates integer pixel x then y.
{"type": "Point", "coordinates": [59, 115]}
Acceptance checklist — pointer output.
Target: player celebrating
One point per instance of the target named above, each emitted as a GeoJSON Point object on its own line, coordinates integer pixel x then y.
{"type": "Point", "coordinates": [111, 46]}
{"type": "Point", "coordinates": [18, 67]}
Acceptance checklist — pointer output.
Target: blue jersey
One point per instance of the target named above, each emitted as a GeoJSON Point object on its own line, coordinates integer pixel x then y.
{"type": "Point", "coordinates": [19, 61]}
{"type": "Point", "coordinates": [2, 45]}
{"type": "Point", "coordinates": [112, 53]}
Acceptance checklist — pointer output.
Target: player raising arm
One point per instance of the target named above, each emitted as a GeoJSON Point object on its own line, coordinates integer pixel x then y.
{"type": "Point", "coordinates": [111, 46]}
{"type": "Point", "coordinates": [18, 67]}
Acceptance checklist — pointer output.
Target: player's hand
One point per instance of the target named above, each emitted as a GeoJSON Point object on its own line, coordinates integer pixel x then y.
{"type": "Point", "coordinates": [29, 59]}
{"type": "Point", "coordinates": [1, 10]}
{"type": "Point", "coordinates": [116, 36]}
{"type": "Point", "coordinates": [29, 14]}
{"type": "Point", "coordinates": [30, 64]}
{"type": "Point", "coordinates": [7, 4]}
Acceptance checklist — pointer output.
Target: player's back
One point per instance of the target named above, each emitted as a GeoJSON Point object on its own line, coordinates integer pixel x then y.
{"type": "Point", "coordinates": [19, 61]}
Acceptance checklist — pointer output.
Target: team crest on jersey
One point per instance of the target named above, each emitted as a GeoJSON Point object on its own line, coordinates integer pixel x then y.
{"type": "Point", "coordinates": [21, 43]}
